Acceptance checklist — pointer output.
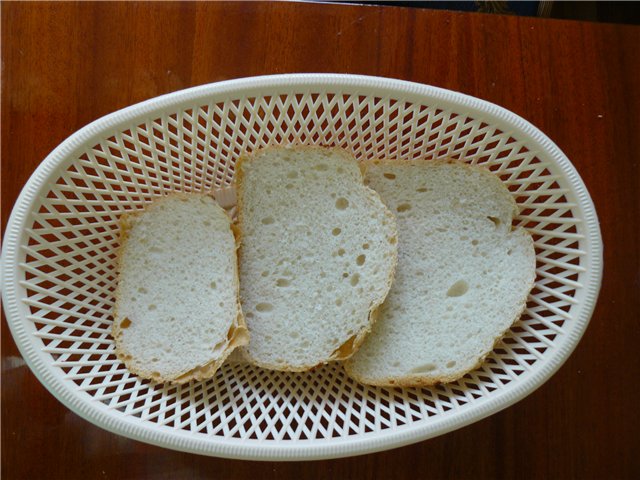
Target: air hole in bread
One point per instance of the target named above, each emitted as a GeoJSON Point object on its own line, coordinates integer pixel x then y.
{"type": "Point", "coordinates": [338, 302]}
{"type": "Point", "coordinates": [428, 367]}
{"type": "Point", "coordinates": [458, 289]}
{"type": "Point", "coordinates": [355, 279]}
{"type": "Point", "coordinates": [336, 231]}
{"type": "Point", "coordinates": [496, 221]}
{"type": "Point", "coordinates": [361, 259]}
{"type": "Point", "coordinates": [142, 290]}
{"type": "Point", "coordinates": [474, 242]}
{"type": "Point", "coordinates": [403, 207]}
{"type": "Point", "coordinates": [267, 220]}
{"type": "Point", "coordinates": [341, 251]}
{"type": "Point", "coordinates": [152, 307]}
{"type": "Point", "coordinates": [283, 282]}
{"type": "Point", "coordinates": [422, 189]}
{"type": "Point", "coordinates": [265, 274]}
{"type": "Point", "coordinates": [345, 274]}
{"type": "Point", "coordinates": [365, 246]}
{"type": "Point", "coordinates": [393, 240]}
{"type": "Point", "coordinates": [451, 364]}
{"type": "Point", "coordinates": [264, 307]}
{"type": "Point", "coordinates": [126, 323]}
{"type": "Point", "coordinates": [509, 252]}
{"type": "Point", "coordinates": [213, 285]}
{"type": "Point", "coordinates": [342, 203]}
{"type": "Point", "coordinates": [289, 186]}
{"type": "Point", "coordinates": [390, 176]}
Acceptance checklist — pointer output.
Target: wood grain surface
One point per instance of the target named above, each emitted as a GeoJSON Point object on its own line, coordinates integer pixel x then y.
{"type": "Point", "coordinates": [66, 64]}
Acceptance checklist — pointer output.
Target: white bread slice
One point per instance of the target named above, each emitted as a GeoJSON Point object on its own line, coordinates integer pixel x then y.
{"type": "Point", "coordinates": [463, 274]}
{"type": "Point", "coordinates": [317, 254]}
{"type": "Point", "coordinates": [177, 314]}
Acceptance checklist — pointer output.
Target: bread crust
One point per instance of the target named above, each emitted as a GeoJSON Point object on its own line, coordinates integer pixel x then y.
{"type": "Point", "coordinates": [238, 334]}
{"type": "Point", "coordinates": [351, 345]}
{"type": "Point", "coordinates": [425, 380]}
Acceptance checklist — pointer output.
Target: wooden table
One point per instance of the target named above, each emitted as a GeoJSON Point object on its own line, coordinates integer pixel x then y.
{"type": "Point", "coordinates": [64, 65]}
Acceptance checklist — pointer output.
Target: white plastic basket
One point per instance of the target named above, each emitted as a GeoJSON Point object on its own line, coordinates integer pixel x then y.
{"type": "Point", "coordinates": [60, 243]}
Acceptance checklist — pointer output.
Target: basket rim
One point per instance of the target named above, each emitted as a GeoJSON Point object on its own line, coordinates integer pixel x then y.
{"type": "Point", "coordinates": [99, 414]}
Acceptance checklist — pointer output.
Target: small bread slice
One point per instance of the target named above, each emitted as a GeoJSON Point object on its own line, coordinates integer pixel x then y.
{"type": "Point", "coordinates": [317, 254]}
{"type": "Point", "coordinates": [463, 274]}
{"type": "Point", "coordinates": [177, 313]}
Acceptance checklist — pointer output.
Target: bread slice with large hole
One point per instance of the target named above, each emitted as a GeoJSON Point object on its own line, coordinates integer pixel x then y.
{"type": "Point", "coordinates": [177, 314]}
{"type": "Point", "coordinates": [463, 273]}
{"type": "Point", "coordinates": [317, 255]}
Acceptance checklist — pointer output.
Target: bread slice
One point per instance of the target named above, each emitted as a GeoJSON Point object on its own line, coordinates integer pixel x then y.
{"type": "Point", "coordinates": [317, 255]}
{"type": "Point", "coordinates": [463, 273]}
{"type": "Point", "coordinates": [177, 314]}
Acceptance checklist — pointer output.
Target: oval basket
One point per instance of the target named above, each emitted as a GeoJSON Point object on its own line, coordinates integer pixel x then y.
{"type": "Point", "coordinates": [61, 239]}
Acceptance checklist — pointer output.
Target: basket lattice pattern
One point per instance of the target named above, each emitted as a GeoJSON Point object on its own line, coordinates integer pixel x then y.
{"type": "Point", "coordinates": [72, 237]}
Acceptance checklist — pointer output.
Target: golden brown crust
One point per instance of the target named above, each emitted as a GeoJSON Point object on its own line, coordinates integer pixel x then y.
{"type": "Point", "coordinates": [351, 345]}
{"type": "Point", "coordinates": [239, 337]}
{"type": "Point", "coordinates": [125, 226]}
{"type": "Point", "coordinates": [239, 334]}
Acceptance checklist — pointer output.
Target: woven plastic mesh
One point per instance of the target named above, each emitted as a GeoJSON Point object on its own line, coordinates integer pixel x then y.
{"type": "Point", "coordinates": [72, 238]}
